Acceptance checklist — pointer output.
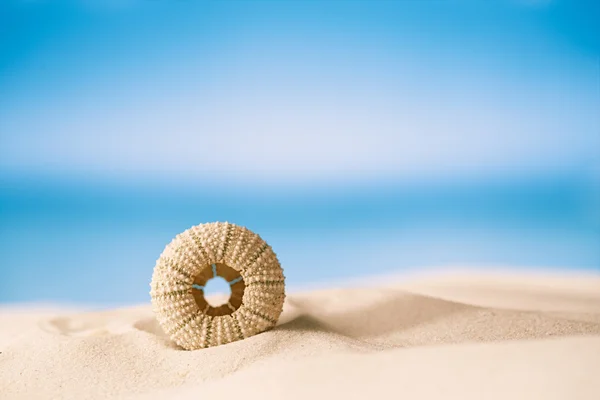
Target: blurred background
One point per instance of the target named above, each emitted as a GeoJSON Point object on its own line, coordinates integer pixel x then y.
{"type": "Point", "coordinates": [357, 138]}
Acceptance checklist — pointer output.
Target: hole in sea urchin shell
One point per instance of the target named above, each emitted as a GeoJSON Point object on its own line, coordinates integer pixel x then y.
{"type": "Point", "coordinates": [236, 284]}
{"type": "Point", "coordinates": [214, 289]}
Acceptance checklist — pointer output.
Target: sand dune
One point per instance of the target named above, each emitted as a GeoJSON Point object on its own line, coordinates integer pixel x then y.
{"type": "Point", "coordinates": [457, 336]}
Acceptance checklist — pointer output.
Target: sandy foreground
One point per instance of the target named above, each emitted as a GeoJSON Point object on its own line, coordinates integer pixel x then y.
{"type": "Point", "coordinates": [451, 336]}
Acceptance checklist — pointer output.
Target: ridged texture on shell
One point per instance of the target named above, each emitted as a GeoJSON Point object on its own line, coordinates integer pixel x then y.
{"type": "Point", "coordinates": [198, 248]}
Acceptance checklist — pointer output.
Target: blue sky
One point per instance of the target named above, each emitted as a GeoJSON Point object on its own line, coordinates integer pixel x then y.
{"type": "Point", "coordinates": [357, 138]}
{"type": "Point", "coordinates": [291, 92]}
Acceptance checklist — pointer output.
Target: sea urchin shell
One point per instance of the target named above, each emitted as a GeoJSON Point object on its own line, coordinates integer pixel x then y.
{"type": "Point", "coordinates": [192, 258]}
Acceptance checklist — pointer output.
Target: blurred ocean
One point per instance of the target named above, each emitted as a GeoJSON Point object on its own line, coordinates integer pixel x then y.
{"type": "Point", "coordinates": [357, 137]}
{"type": "Point", "coordinates": [94, 243]}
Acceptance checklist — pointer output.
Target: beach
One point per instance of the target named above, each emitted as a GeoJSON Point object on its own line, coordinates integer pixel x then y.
{"type": "Point", "coordinates": [452, 335]}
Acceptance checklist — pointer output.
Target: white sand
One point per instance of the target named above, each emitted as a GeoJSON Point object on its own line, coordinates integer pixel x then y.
{"type": "Point", "coordinates": [450, 337]}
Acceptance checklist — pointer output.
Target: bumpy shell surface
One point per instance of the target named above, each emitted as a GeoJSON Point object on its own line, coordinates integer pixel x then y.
{"type": "Point", "coordinates": [196, 255]}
